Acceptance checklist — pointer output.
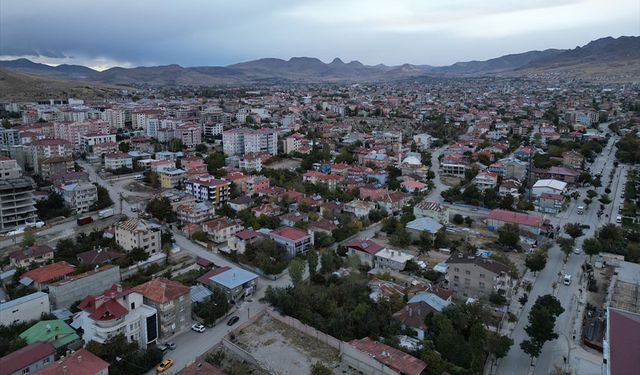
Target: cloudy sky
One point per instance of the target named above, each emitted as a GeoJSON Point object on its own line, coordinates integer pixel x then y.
{"type": "Point", "coordinates": [102, 34]}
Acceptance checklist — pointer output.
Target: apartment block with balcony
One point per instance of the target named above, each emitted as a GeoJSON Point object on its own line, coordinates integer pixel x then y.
{"type": "Point", "coordinates": [79, 196]}
{"type": "Point", "coordinates": [118, 310]}
{"type": "Point", "coordinates": [172, 300]}
{"type": "Point", "coordinates": [9, 168]}
{"type": "Point", "coordinates": [296, 241]}
{"type": "Point", "coordinates": [17, 206]}
{"type": "Point", "coordinates": [134, 233]}
{"type": "Point", "coordinates": [209, 189]}
{"type": "Point", "coordinates": [478, 277]}
{"type": "Point", "coordinates": [244, 140]}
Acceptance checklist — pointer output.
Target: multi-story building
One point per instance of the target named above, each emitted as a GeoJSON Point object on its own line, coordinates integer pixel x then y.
{"type": "Point", "coordinates": [9, 168]}
{"type": "Point", "coordinates": [117, 160]}
{"type": "Point", "coordinates": [212, 129]}
{"type": "Point", "coordinates": [134, 233]}
{"type": "Point", "coordinates": [221, 228]}
{"type": "Point", "coordinates": [243, 140]}
{"type": "Point", "coordinates": [294, 142]}
{"type": "Point", "coordinates": [79, 196]}
{"type": "Point", "coordinates": [171, 178]}
{"type": "Point", "coordinates": [485, 180]}
{"type": "Point", "coordinates": [209, 189]}
{"type": "Point", "coordinates": [118, 310]}
{"type": "Point", "coordinates": [172, 300]}
{"type": "Point", "coordinates": [235, 283]}
{"type": "Point", "coordinates": [28, 360]}
{"type": "Point", "coordinates": [17, 206]}
{"type": "Point", "coordinates": [73, 131]}
{"type": "Point", "coordinates": [80, 362]}
{"type": "Point", "coordinates": [190, 134]}
{"type": "Point", "coordinates": [296, 241]}
{"type": "Point", "coordinates": [73, 288]}
{"type": "Point", "coordinates": [33, 254]}
{"type": "Point", "coordinates": [254, 184]}
{"type": "Point", "coordinates": [115, 117]}
{"type": "Point", "coordinates": [195, 213]}
{"type": "Point", "coordinates": [49, 148]}
{"type": "Point", "coordinates": [9, 137]}
{"type": "Point", "coordinates": [87, 141]}
{"type": "Point", "coordinates": [477, 276]}
{"type": "Point", "coordinates": [433, 210]}
{"type": "Point", "coordinates": [24, 309]}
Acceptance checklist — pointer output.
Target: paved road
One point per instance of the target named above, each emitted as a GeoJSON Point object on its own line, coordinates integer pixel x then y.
{"type": "Point", "coordinates": [571, 298]}
{"type": "Point", "coordinates": [438, 186]}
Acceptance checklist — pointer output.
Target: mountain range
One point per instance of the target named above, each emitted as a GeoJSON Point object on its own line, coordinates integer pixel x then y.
{"type": "Point", "coordinates": [606, 55]}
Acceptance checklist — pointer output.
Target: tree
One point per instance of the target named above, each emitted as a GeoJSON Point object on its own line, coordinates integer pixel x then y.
{"type": "Point", "coordinates": [509, 235]}
{"type": "Point", "coordinates": [425, 243]}
{"type": "Point", "coordinates": [542, 320]}
{"type": "Point", "coordinates": [138, 254]}
{"type": "Point", "coordinates": [104, 200]}
{"type": "Point", "coordinates": [123, 147]}
{"type": "Point", "coordinates": [566, 245]}
{"type": "Point", "coordinates": [591, 247]}
{"type": "Point", "coordinates": [296, 270]}
{"type": "Point", "coordinates": [312, 260]}
{"type": "Point", "coordinates": [320, 369]}
{"type": "Point", "coordinates": [28, 237]}
{"type": "Point", "coordinates": [199, 236]}
{"type": "Point", "coordinates": [211, 311]}
{"type": "Point", "coordinates": [497, 345]}
{"type": "Point", "coordinates": [5, 123]}
{"type": "Point", "coordinates": [536, 261]}
{"type": "Point", "coordinates": [161, 209]}
{"type": "Point", "coordinates": [507, 202]}
{"type": "Point", "coordinates": [573, 229]}
{"type": "Point", "coordinates": [52, 207]}
{"type": "Point", "coordinates": [458, 219]}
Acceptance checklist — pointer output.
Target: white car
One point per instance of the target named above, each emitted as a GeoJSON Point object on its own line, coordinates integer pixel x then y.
{"type": "Point", "coordinates": [198, 328]}
{"type": "Point", "coordinates": [577, 250]}
{"type": "Point", "coordinates": [566, 280]}
{"type": "Point", "coordinates": [16, 231]}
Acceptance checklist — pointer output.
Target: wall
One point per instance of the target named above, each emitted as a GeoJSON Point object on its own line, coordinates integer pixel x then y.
{"type": "Point", "coordinates": [66, 292]}
{"type": "Point", "coordinates": [30, 309]}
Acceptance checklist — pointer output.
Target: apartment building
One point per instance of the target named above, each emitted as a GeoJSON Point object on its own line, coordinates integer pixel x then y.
{"type": "Point", "coordinates": [172, 300]}
{"type": "Point", "coordinates": [118, 310]}
{"type": "Point", "coordinates": [171, 178]}
{"type": "Point", "coordinates": [244, 140]}
{"type": "Point", "coordinates": [190, 134]}
{"type": "Point", "coordinates": [9, 168]}
{"type": "Point", "coordinates": [73, 131]}
{"type": "Point", "coordinates": [221, 228]}
{"type": "Point", "coordinates": [296, 241]}
{"type": "Point", "coordinates": [43, 149]}
{"type": "Point", "coordinates": [117, 160]}
{"type": "Point", "coordinates": [134, 233]}
{"type": "Point", "coordinates": [433, 210]}
{"type": "Point", "coordinates": [294, 143]}
{"type": "Point", "coordinates": [9, 137]}
{"type": "Point", "coordinates": [17, 206]}
{"type": "Point", "coordinates": [476, 277]}
{"type": "Point", "coordinates": [87, 141]}
{"type": "Point", "coordinates": [209, 189]}
{"type": "Point", "coordinates": [79, 196]}
{"type": "Point", "coordinates": [115, 117]}
{"type": "Point", "coordinates": [212, 129]}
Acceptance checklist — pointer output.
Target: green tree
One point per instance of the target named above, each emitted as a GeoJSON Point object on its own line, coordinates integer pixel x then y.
{"type": "Point", "coordinates": [137, 254]}
{"type": "Point", "coordinates": [506, 203]}
{"type": "Point", "coordinates": [509, 235]}
{"type": "Point", "coordinates": [458, 219]}
{"type": "Point", "coordinates": [296, 271]}
{"type": "Point", "coordinates": [536, 261]}
{"type": "Point", "coordinates": [541, 327]}
{"type": "Point", "coordinates": [312, 260]}
{"type": "Point", "coordinates": [52, 207]}
{"type": "Point", "coordinates": [5, 123]}
{"type": "Point", "coordinates": [104, 200]}
{"type": "Point", "coordinates": [199, 236]}
{"type": "Point", "coordinates": [566, 245]}
{"type": "Point", "coordinates": [211, 311]}
{"type": "Point", "coordinates": [161, 209]}
{"type": "Point", "coordinates": [573, 229]}
{"type": "Point", "coordinates": [497, 345]}
{"type": "Point", "coordinates": [320, 369]}
{"type": "Point", "coordinates": [591, 247]}
{"type": "Point", "coordinates": [28, 237]}
{"type": "Point", "coordinates": [425, 243]}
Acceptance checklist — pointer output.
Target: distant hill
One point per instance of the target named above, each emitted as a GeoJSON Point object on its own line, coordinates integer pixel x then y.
{"type": "Point", "coordinates": [619, 56]}
{"type": "Point", "coordinates": [15, 85]}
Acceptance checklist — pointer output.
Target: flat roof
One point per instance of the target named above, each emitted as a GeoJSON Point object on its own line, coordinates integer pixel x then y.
{"type": "Point", "coordinates": [233, 277]}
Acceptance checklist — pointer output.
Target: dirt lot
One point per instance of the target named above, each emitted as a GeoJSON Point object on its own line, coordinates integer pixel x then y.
{"type": "Point", "coordinates": [284, 350]}
{"type": "Point", "coordinates": [289, 164]}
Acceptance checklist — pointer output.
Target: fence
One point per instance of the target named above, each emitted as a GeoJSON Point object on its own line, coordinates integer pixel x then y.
{"type": "Point", "coordinates": [307, 330]}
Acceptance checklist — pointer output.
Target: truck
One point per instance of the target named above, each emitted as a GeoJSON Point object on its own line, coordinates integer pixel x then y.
{"type": "Point", "coordinates": [85, 220]}
{"type": "Point", "coordinates": [107, 212]}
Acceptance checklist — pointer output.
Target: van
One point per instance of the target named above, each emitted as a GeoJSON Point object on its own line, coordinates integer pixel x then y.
{"type": "Point", "coordinates": [580, 210]}
{"type": "Point", "coordinates": [618, 219]}
{"type": "Point", "coordinates": [566, 280]}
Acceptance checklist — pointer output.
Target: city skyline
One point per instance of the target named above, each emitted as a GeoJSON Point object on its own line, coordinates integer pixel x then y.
{"type": "Point", "coordinates": [372, 32]}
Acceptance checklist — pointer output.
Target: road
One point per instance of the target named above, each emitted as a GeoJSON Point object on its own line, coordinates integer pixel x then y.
{"type": "Point", "coordinates": [438, 186]}
{"type": "Point", "coordinates": [572, 297]}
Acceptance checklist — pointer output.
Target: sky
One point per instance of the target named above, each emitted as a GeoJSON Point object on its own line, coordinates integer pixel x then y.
{"type": "Point", "coordinates": [103, 34]}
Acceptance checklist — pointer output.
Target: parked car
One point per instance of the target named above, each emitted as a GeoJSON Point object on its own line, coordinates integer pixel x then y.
{"type": "Point", "coordinates": [567, 279]}
{"type": "Point", "coordinates": [171, 345]}
{"type": "Point", "coordinates": [577, 250]}
{"type": "Point", "coordinates": [233, 320]}
{"type": "Point", "coordinates": [618, 219]}
{"type": "Point", "coordinates": [585, 226]}
{"type": "Point", "coordinates": [198, 327]}
{"type": "Point", "coordinates": [164, 346]}
{"type": "Point", "coordinates": [164, 365]}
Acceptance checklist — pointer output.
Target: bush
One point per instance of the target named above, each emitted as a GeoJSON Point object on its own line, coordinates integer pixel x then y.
{"type": "Point", "coordinates": [458, 219]}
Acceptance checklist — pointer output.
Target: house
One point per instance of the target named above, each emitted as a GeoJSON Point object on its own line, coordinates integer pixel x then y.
{"type": "Point", "coordinates": [485, 180]}
{"type": "Point", "coordinates": [80, 362]}
{"type": "Point", "coordinates": [471, 276]}
{"type": "Point", "coordinates": [510, 186]}
{"type": "Point", "coordinates": [222, 228]}
{"type": "Point", "coordinates": [565, 174]}
{"type": "Point", "coordinates": [365, 250]}
{"type": "Point", "coordinates": [524, 153]}
{"type": "Point", "coordinates": [359, 208]}
{"type": "Point", "coordinates": [414, 313]}
{"type": "Point", "coordinates": [393, 202]}
{"type": "Point", "coordinates": [432, 210]}
{"type": "Point", "coordinates": [391, 259]}
{"type": "Point", "coordinates": [195, 213]}
{"type": "Point", "coordinates": [34, 254]}
{"type": "Point", "coordinates": [24, 309]}
{"type": "Point", "coordinates": [201, 367]}
{"type": "Point", "coordinates": [239, 241]}
{"type": "Point", "coordinates": [296, 241]}
{"type": "Point", "coordinates": [99, 256]}
{"type": "Point", "coordinates": [28, 360]}
{"type": "Point", "coordinates": [117, 310]}
{"type": "Point", "coordinates": [423, 224]}
{"type": "Point", "coordinates": [394, 359]}
{"type": "Point", "coordinates": [137, 233]}
{"type": "Point", "coordinates": [172, 177]}
{"type": "Point", "coordinates": [254, 184]}
{"type": "Point", "coordinates": [315, 177]}
{"type": "Point", "coordinates": [240, 203]}
{"type": "Point", "coordinates": [79, 196]}
{"type": "Point", "coordinates": [56, 332]}
{"type": "Point", "coordinates": [455, 168]}
{"type": "Point", "coordinates": [236, 283]}
{"type": "Point", "coordinates": [529, 222]}
{"type": "Point", "coordinates": [384, 290]}
{"type": "Point", "coordinates": [550, 203]}
{"type": "Point", "coordinates": [548, 186]}
{"type": "Point", "coordinates": [414, 186]}
{"type": "Point", "coordinates": [117, 161]}
{"type": "Point", "coordinates": [322, 225]}
{"type": "Point", "coordinates": [209, 189]}
{"type": "Point", "coordinates": [292, 218]}
{"type": "Point", "coordinates": [172, 300]}
{"type": "Point", "coordinates": [43, 276]}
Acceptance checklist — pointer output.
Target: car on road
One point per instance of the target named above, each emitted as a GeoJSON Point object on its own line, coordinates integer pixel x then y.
{"type": "Point", "coordinates": [164, 365]}
{"type": "Point", "coordinates": [577, 250]}
{"type": "Point", "coordinates": [585, 226]}
{"type": "Point", "coordinates": [164, 346]}
{"type": "Point", "coordinates": [16, 231]}
{"type": "Point", "coordinates": [233, 320]}
{"type": "Point", "coordinates": [566, 280]}
{"type": "Point", "coordinates": [618, 219]}
{"type": "Point", "coordinates": [198, 327]}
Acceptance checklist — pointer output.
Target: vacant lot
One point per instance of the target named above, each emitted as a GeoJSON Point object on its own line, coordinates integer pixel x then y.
{"type": "Point", "coordinates": [289, 164]}
{"type": "Point", "coordinates": [284, 350]}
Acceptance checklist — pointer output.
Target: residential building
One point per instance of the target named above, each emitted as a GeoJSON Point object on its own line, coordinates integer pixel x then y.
{"type": "Point", "coordinates": [24, 309]}
{"type": "Point", "coordinates": [9, 168]}
{"type": "Point", "coordinates": [79, 196]}
{"type": "Point", "coordinates": [365, 250]}
{"type": "Point", "coordinates": [117, 160]}
{"type": "Point", "coordinates": [395, 360]}
{"type": "Point", "coordinates": [434, 210]}
{"type": "Point", "coordinates": [550, 203]}
{"type": "Point", "coordinates": [212, 129]}
{"type": "Point", "coordinates": [17, 206]}
{"type": "Point", "coordinates": [423, 141]}
{"type": "Point", "coordinates": [133, 233]}
{"type": "Point", "coordinates": [359, 208]}
{"type": "Point", "coordinates": [548, 186]}
{"type": "Point", "coordinates": [392, 259]}
{"type": "Point", "coordinates": [28, 360]}
{"type": "Point", "coordinates": [294, 142]}
{"type": "Point", "coordinates": [118, 310]}
{"type": "Point", "coordinates": [33, 254]}
{"type": "Point", "coordinates": [190, 134]}
{"type": "Point", "coordinates": [201, 367]}
{"type": "Point", "coordinates": [250, 162]}
{"type": "Point", "coordinates": [527, 222]}
{"type": "Point", "coordinates": [88, 141]}
{"type": "Point", "coordinates": [510, 186]}
{"type": "Point", "coordinates": [572, 159]}
{"type": "Point", "coordinates": [172, 178]}
{"type": "Point", "coordinates": [254, 184]}
{"type": "Point", "coordinates": [239, 241]}
{"type": "Point", "coordinates": [80, 362]}
{"type": "Point", "coordinates": [195, 213]}
{"type": "Point", "coordinates": [209, 189]}
{"type": "Point", "coordinates": [49, 148]}
{"type": "Point", "coordinates": [241, 141]}
{"type": "Point", "coordinates": [236, 283]}
{"type": "Point", "coordinates": [315, 177]}
{"type": "Point", "coordinates": [423, 224]}
{"type": "Point", "coordinates": [471, 276]}
{"type": "Point", "coordinates": [9, 137]}
{"type": "Point", "coordinates": [56, 332]}
{"type": "Point", "coordinates": [55, 166]}
{"type": "Point", "coordinates": [453, 168]}
{"type": "Point", "coordinates": [42, 276]}
{"type": "Point", "coordinates": [485, 180]}
{"type": "Point", "coordinates": [74, 288]}
{"type": "Point", "coordinates": [419, 306]}
{"type": "Point", "coordinates": [296, 241]}
{"type": "Point", "coordinates": [99, 256]}
{"type": "Point", "coordinates": [72, 132]}
{"type": "Point", "coordinates": [222, 228]}
{"type": "Point", "coordinates": [412, 186]}
{"type": "Point", "coordinates": [172, 301]}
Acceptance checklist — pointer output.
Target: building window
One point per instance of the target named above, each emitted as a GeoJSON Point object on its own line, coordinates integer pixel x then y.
{"type": "Point", "coordinates": [467, 282]}
{"type": "Point", "coordinates": [482, 275]}
{"type": "Point", "coordinates": [481, 284]}
{"type": "Point", "coordinates": [133, 305]}
{"type": "Point", "coordinates": [456, 269]}
{"type": "Point", "coordinates": [467, 272]}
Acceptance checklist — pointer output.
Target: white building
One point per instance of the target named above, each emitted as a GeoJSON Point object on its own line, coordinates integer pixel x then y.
{"type": "Point", "coordinates": [392, 259]}
{"type": "Point", "coordinates": [485, 180]}
{"type": "Point", "coordinates": [24, 309]}
{"type": "Point", "coordinates": [9, 168]}
{"type": "Point", "coordinates": [134, 233]}
{"type": "Point", "coordinates": [89, 140]}
{"type": "Point", "coordinates": [548, 186]}
{"type": "Point", "coordinates": [79, 196]}
{"type": "Point", "coordinates": [212, 129]}
{"type": "Point", "coordinates": [243, 140]}
{"type": "Point", "coordinates": [117, 160]}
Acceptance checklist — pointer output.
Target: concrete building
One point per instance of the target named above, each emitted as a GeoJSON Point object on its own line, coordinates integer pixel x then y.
{"type": "Point", "coordinates": [485, 180]}
{"type": "Point", "coordinates": [477, 276]}
{"type": "Point", "coordinates": [296, 241]}
{"type": "Point", "coordinates": [433, 210]}
{"type": "Point", "coordinates": [392, 259]}
{"type": "Point", "coordinates": [117, 160]}
{"type": "Point", "coordinates": [74, 288]}
{"type": "Point", "coordinates": [236, 283]}
{"type": "Point", "coordinates": [365, 250]}
{"type": "Point", "coordinates": [41, 277]}
{"type": "Point", "coordinates": [9, 138]}
{"type": "Point", "coordinates": [79, 196]}
{"type": "Point", "coordinates": [209, 189]}
{"type": "Point", "coordinates": [172, 301]}
{"type": "Point", "coordinates": [17, 206]}
{"type": "Point", "coordinates": [49, 148]}
{"type": "Point", "coordinates": [222, 228]}
{"type": "Point", "coordinates": [28, 360]}
{"type": "Point", "coordinates": [87, 141]}
{"type": "Point", "coordinates": [172, 178]}
{"type": "Point", "coordinates": [294, 143]}
{"type": "Point", "coordinates": [118, 310]}
{"type": "Point", "coordinates": [24, 309]}
{"type": "Point", "coordinates": [190, 134]}
{"type": "Point", "coordinates": [9, 168]}
{"type": "Point", "coordinates": [134, 233]}
{"type": "Point", "coordinates": [80, 362]}
{"type": "Point", "coordinates": [33, 254]}
{"type": "Point", "coordinates": [73, 131]}
{"type": "Point", "coordinates": [241, 141]}
{"type": "Point", "coordinates": [195, 213]}
{"type": "Point", "coordinates": [548, 186]}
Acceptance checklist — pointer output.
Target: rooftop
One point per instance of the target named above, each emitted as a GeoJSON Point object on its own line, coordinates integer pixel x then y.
{"type": "Point", "coordinates": [49, 272]}
{"type": "Point", "coordinates": [390, 357]}
{"type": "Point", "coordinates": [23, 357]}
{"type": "Point", "coordinates": [162, 290]}
{"type": "Point", "coordinates": [290, 233]}
{"type": "Point", "coordinates": [234, 277]}
{"type": "Point", "coordinates": [80, 362]}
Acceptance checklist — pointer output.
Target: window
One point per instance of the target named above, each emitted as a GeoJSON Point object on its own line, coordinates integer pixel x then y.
{"type": "Point", "coordinates": [457, 269]}
{"type": "Point", "coordinates": [46, 360]}
{"type": "Point", "coordinates": [133, 305]}
{"type": "Point", "coordinates": [467, 282]}
{"type": "Point", "coordinates": [456, 278]}
{"type": "Point", "coordinates": [467, 272]}
{"type": "Point", "coordinates": [482, 275]}
{"type": "Point", "coordinates": [25, 371]}
{"type": "Point", "coordinates": [481, 285]}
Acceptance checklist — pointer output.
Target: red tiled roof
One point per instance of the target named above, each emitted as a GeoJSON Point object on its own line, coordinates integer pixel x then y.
{"type": "Point", "coordinates": [80, 362]}
{"type": "Point", "coordinates": [366, 246]}
{"type": "Point", "coordinates": [389, 356]}
{"type": "Point", "coordinates": [247, 234]}
{"type": "Point", "coordinates": [22, 358]}
{"type": "Point", "coordinates": [108, 310]}
{"type": "Point", "coordinates": [515, 217]}
{"type": "Point", "coordinates": [558, 197]}
{"type": "Point", "coordinates": [33, 251]}
{"type": "Point", "coordinates": [162, 290]}
{"type": "Point", "coordinates": [204, 279]}
{"type": "Point", "coordinates": [49, 272]}
{"type": "Point", "coordinates": [624, 342]}
{"type": "Point", "coordinates": [290, 233]}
